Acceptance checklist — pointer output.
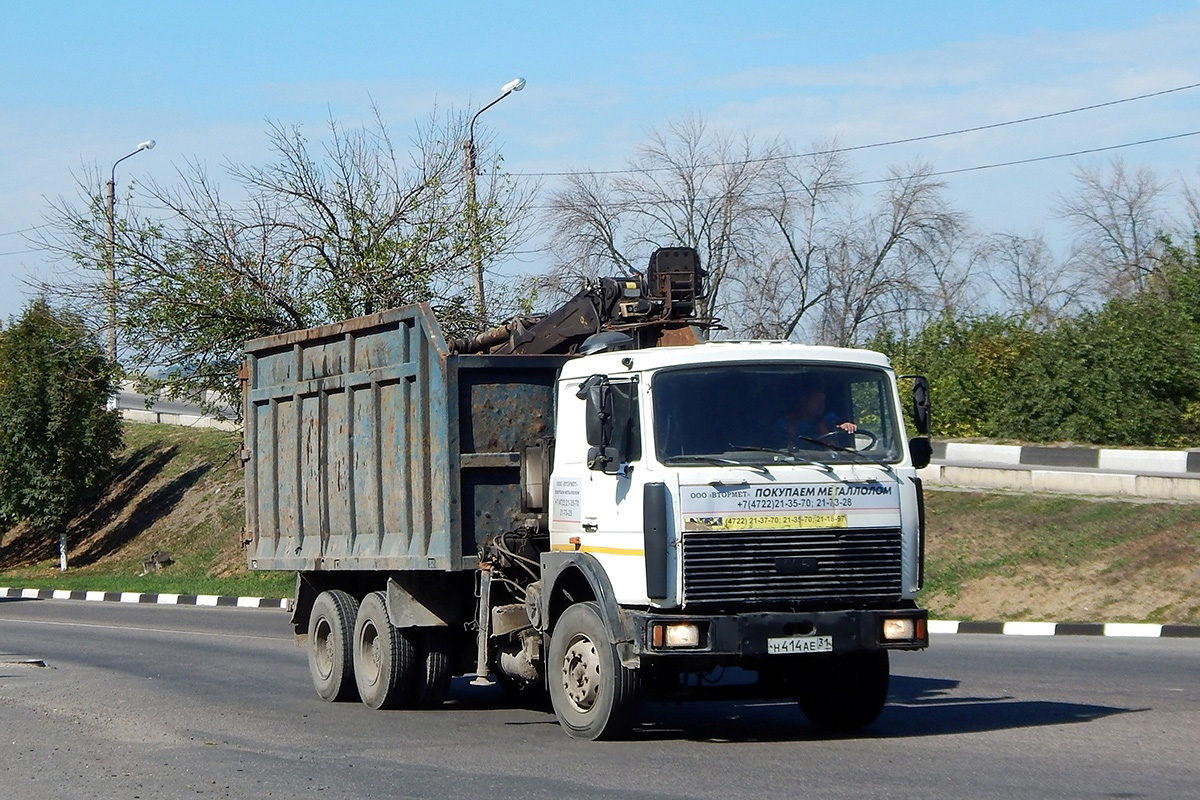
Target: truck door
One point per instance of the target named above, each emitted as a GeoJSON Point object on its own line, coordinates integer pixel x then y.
{"type": "Point", "coordinates": [611, 504]}
{"type": "Point", "coordinates": [598, 510]}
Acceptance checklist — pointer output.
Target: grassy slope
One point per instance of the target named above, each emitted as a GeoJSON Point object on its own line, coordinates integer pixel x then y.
{"type": "Point", "coordinates": [177, 490]}
{"type": "Point", "coordinates": [1043, 557]}
{"type": "Point", "coordinates": [989, 556]}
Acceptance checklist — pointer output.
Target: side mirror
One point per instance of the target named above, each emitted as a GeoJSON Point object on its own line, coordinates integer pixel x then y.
{"type": "Point", "coordinates": [921, 450]}
{"type": "Point", "coordinates": [604, 459]}
{"type": "Point", "coordinates": [920, 399]}
{"type": "Point", "coordinates": [599, 412]}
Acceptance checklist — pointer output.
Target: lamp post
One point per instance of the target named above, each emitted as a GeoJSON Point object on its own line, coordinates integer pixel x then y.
{"type": "Point", "coordinates": [515, 85]}
{"type": "Point", "coordinates": [111, 197]}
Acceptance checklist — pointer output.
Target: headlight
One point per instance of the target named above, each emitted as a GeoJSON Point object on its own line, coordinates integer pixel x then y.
{"type": "Point", "coordinates": [899, 630]}
{"type": "Point", "coordinates": [675, 635]}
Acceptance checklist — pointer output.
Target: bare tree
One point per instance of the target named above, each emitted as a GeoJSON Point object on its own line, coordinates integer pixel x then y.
{"type": "Point", "coordinates": [883, 264]}
{"type": "Point", "coordinates": [321, 235]}
{"type": "Point", "coordinates": [800, 216]}
{"type": "Point", "coordinates": [588, 219]}
{"type": "Point", "coordinates": [1191, 199]}
{"type": "Point", "coordinates": [1031, 281]}
{"type": "Point", "coordinates": [790, 247]}
{"type": "Point", "coordinates": [686, 186]}
{"type": "Point", "coordinates": [1117, 217]}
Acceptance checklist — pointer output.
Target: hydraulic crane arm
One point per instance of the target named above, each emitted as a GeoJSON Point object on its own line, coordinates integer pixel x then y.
{"type": "Point", "coordinates": [657, 308]}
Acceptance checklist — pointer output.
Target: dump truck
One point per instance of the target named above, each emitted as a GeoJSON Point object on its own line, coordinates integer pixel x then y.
{"type": "Point", "coordinates": [597, 503]}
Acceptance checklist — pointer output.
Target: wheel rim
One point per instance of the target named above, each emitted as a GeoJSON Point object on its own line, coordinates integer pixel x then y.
{"type": "Point", "coordinates": [369, 652]}
{"type": "Point", "coordinates": [323, 647]}
{"type": "Point", "coordinates": [581, 673]}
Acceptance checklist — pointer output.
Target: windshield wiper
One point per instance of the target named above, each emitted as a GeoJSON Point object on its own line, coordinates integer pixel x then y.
{"type": "Point", "coordinates": [716, 461]}
{"type": "Point", "coordinates": [856, 455]}
{"type": "Point", "coordinates": [787, 454]}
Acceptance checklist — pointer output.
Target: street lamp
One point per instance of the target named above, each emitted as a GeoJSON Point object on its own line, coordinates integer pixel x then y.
{"type": "Point", "coordinates": [515, 85]}
{"type": "Point", "coordinates": [111, 196]}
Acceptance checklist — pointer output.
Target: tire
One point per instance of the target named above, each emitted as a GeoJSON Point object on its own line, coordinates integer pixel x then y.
{"type": "Point", "coordinates": [843, 694]}
{"type": "Point", "coordinates": [593, 695]}
{"type": "Point", "coordinates": [433, 685]}
{"type": "Point", "coordinates": [385, 658]}
{"type": "Point", "coordinates": [330, 643]}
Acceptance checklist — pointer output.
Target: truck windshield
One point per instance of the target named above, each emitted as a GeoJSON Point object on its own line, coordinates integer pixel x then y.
{"type": "Point", "coordinates": [775, 413]}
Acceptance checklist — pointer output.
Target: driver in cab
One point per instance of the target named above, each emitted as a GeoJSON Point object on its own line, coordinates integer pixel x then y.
{"type": "Point", "coordinates": [811, 419]}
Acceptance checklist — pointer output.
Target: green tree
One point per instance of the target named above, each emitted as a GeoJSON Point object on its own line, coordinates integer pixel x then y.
{"type": "Point", "coordinates": [1126, 374]}
{"type": "Point", "coordinates": [57, 440]}
{"type": "Point", "coordinates": [346, 227]}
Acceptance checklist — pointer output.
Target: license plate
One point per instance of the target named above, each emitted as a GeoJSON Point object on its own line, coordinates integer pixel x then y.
{"type": "Point", "coordinates": [787, 645]}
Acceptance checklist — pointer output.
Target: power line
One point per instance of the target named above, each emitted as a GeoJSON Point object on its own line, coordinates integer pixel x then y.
{"type": "Point", "coordinates": [23, 230]}
{"type": "Point", "coordinates": [957, 171]}
{"type": "Point", "coordinates": [1036, 159]}
{"type": "Point", "coordinates": [873, 145]}
{"type": "Point", "coordinates": [877, 181]}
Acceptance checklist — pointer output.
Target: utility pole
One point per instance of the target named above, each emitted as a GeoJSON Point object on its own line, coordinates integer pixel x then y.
{"type": "Point", "coordinates": [515, 85]}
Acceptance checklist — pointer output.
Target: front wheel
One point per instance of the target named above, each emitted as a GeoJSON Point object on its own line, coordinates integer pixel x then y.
{"type": "Point", "coordinates": [593, 694]}
{"type": "Point", "coordinates": [842, 694]}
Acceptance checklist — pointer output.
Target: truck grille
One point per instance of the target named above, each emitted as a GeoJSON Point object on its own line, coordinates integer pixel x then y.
{"type": "Point", "coordinates": [860, 564]}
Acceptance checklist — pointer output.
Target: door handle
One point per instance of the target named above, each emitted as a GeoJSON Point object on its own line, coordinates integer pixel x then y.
{"type": "Point", "coordinates": [591, 527]}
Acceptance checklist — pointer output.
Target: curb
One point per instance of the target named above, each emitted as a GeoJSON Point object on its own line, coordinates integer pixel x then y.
{"type": "Point", "coordinates": [1111, 629]}
{"type": "Point", "coordinates": [146, 598]}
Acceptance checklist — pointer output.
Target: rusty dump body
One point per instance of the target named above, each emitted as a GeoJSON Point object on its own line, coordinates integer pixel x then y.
{"type": "Point", "coordinates": [371, 447]}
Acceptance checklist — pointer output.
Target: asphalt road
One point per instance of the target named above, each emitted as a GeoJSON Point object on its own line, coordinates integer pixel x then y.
{"type": "Point", "coordinates": [169, 702]}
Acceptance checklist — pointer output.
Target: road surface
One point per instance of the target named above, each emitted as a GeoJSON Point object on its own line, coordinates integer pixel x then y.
{"type": "Point", "coordinates": [169, 702]}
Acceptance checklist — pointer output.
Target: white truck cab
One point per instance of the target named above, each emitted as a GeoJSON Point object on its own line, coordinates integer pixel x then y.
{"type": "Point", "coordinates": [747, 503]}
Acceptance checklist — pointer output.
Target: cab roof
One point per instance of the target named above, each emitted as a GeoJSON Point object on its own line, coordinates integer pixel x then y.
{"type": "Point", "coordinates": [654, 358]}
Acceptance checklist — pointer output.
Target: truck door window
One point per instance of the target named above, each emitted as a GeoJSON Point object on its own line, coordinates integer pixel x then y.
{"type": "Point", "coordinates": [627, 429]}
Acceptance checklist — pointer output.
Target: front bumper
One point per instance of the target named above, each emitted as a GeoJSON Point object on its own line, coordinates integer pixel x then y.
{"type": "Point", "coordinates": [732, 637]}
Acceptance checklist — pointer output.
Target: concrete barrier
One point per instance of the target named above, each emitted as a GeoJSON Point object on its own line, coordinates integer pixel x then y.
{"type": "Point", "coordinates": [186, 420]}
{"type": "Point", "coordinates": [1183, 488]}
{"type": "Point", "coordinates": [983, 453]}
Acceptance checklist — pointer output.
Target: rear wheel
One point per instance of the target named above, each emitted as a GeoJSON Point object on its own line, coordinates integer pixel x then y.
{"type": "Point", "coordinates": [594, 695]}
{"type": "Point", "coordinates": [330, 634]}
{"type": "Point", "coordinates": [842, 694]}
{"type": "Point", "coordinates": [385, 658]}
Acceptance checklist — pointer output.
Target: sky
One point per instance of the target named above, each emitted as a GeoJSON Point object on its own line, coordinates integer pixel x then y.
{"type": "Point", "coordinates": [85, 82]}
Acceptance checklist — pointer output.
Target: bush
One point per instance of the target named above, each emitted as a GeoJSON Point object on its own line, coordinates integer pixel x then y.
{"type": "Point", "coordinates": [1126, 374]}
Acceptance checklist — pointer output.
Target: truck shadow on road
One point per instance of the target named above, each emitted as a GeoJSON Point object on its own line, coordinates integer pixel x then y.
{"type": "Point", "coordinates": [916, 707]}
{"type": "Point", "coordinates": [931, 707]}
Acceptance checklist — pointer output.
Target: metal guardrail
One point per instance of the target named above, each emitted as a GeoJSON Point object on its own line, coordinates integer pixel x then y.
{"type": "Point", "coordinates": [1108, 472]}
{"type": "Point", "coordinates": [132, 406]}
{"type": "Point", "coordinates": [1109, 459]}
{"type": "Point", "coordinates": [186, 420]}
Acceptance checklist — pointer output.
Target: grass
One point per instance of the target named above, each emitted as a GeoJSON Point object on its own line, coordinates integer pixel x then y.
{"type": "Point", "coordinates": [1045, 545]}
{"type": "Point", "coordinates": [254, 585]}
